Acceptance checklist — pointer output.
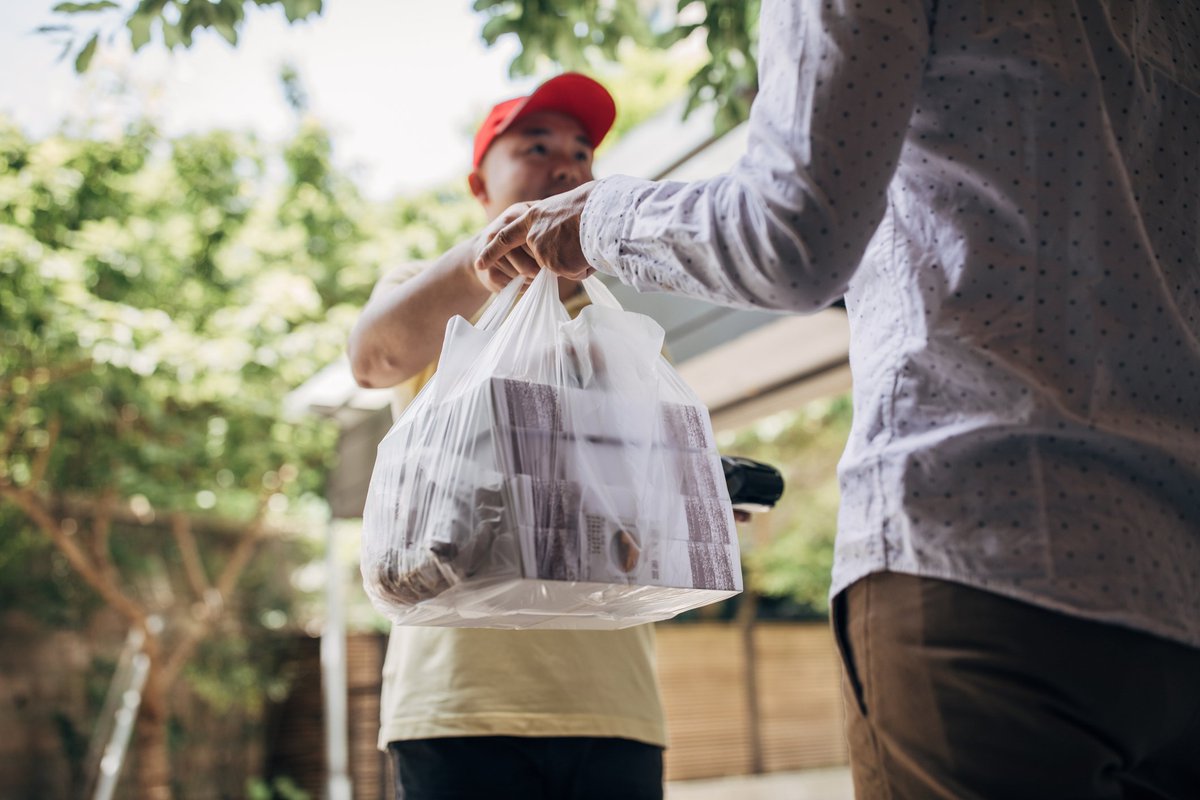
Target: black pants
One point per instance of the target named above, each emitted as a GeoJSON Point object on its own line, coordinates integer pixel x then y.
{"type": "Point", "coordinates": [953, 693]}
{"type": "Point", "coordinates": [527, 768]}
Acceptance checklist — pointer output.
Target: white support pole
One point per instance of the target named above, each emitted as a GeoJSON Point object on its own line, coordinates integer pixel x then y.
{"type": "Point", "coordinates": [135, 666]}
{"type": "Point", "coordinates": [333, 675]}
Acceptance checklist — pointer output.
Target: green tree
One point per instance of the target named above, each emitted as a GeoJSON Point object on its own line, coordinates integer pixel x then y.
{"type": "Point", "coordinates": [158, 298]}
{"type": "Point", "coordinates": [172, 22]}
{"type": "Point", "coordinates": [794, 558]}
{"type": "Point", "coordinates": [585, 34]}
{"type": "Point", "coordinates": [580, 34]}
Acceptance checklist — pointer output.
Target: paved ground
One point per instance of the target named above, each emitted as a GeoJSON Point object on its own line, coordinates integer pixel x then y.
{"type": "Point", "coordinates": [812, 784]}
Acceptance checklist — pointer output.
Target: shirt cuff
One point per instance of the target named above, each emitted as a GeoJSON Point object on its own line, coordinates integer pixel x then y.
{"type": "Point", "coordinates": [607, 217]}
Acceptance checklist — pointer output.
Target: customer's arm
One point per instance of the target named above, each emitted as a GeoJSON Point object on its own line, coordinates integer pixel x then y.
{"type": "Point", "coordinates": [787, 227]}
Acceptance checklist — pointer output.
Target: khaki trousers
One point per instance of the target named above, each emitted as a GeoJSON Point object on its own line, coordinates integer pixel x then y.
{"type": "Point", "coordinates": [953, 692]}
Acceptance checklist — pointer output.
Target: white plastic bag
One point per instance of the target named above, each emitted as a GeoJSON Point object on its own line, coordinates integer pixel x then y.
{"type": "Point", "coordinates": [554, 473]}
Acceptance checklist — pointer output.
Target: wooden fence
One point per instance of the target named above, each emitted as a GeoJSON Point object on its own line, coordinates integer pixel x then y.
{"type": "Point", "coordinates": [704, 672]}
{"type": "Point", "coordinates": [720, 721]}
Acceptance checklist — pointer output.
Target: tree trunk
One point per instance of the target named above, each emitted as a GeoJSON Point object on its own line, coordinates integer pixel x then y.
{"type": "Point", "coordinates": [150, 744]}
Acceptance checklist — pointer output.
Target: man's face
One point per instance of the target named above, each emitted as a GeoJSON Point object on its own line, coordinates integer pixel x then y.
{"type": "Point", "coordinates": [541, 155]}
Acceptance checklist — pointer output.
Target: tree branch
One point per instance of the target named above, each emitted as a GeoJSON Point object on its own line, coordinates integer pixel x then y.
{"type": "Point", "coordinates": [42, 459]}
{"type": "Point", "coordinates": [193, 567]}
{"type": "Point", "coordinates": [101, 531]}
{"type": "Point", "coordinates": [13, 426]}
{"type": "Point", "coordinates": [226, 582]}
{"type": "Point", "coordinates": [242, 554]}
{"type": "Point", "coordinates": [44, 375]}
{"type": "Point", "coordinates": [104, 512]}
{"type": "Point", "coordinates": [184, 649]}
{"type": "Point", "coordinates": [28, 502]}
{"type": "Point", "coordinates": [77, 506]}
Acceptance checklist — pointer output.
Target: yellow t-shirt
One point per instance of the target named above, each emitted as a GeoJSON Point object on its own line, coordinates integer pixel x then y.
{"type": "Point", "coordinates": [482, 682]}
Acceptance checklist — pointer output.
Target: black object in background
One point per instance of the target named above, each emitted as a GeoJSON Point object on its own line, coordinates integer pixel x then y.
{"type": "Point", "coordinates": [753, 485]}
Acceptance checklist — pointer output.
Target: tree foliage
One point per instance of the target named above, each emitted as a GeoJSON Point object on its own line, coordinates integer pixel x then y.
{"type": "Point", "coordinates": [174, 23]}
{"type": "Point", "coordinates": [647, 81]}
{"type": "Point", "coordinates": [583, 35]}
{"type": "Point", "coordinates": [793, 562]}
{"type": "Point", "coordinates": [158, 299]}
{"type": "Point", "coordinates": [579, 35]}
{"type": "Point", "coordinates": [157, 303]}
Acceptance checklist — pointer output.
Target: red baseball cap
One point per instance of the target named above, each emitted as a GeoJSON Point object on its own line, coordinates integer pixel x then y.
{"type": "Point", "coordinates": [572, 94]}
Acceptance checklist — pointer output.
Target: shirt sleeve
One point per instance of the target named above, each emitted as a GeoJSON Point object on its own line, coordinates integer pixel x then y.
{"type": "Point", "coordinates": [787, 227]}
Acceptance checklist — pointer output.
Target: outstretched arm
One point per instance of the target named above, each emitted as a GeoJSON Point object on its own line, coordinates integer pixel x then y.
{"type": "Point", "coordinates": [401, 328]}
{"type": "Point", "coordinates": [787, 227]}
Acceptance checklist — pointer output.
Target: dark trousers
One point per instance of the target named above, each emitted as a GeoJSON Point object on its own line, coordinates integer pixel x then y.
{"type": "Point", "coordinates": [527, 768]}
{"type": "Point", "coordinates": [953, 692]}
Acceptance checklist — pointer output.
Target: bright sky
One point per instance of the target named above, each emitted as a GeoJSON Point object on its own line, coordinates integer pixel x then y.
{"type": "Point", "coordinates": [399, 82]}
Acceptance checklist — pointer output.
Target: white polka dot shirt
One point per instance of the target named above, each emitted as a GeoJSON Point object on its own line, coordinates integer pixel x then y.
{"type": "Point", "coordinates": [1008, 196]}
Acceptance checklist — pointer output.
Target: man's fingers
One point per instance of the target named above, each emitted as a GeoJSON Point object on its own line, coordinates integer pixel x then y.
{"type": "Point", "coordinates": [522, 262]}
{"type": "Point", "coordinates": [504, 267]}
{"type": "Point", "coordinates": [576, 274]}
{"type": "Point", "coordinates": [493, 280]}
{"type": "Point", "coordinates": [496, 276]}
{"type": "Point", "coordinates": [503, 242]}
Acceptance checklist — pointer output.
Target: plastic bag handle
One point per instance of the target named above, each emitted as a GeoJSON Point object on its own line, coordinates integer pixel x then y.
{"type": "Point", "coordinates": [497, 311]}
{"type": "Point", "coordinates": [501, 304]}
{"type": "Point", "coordinates": [599, 293]}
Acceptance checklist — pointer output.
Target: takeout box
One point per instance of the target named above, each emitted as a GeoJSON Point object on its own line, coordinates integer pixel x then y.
{"type": "Point", "coordinates": [566, 508]}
